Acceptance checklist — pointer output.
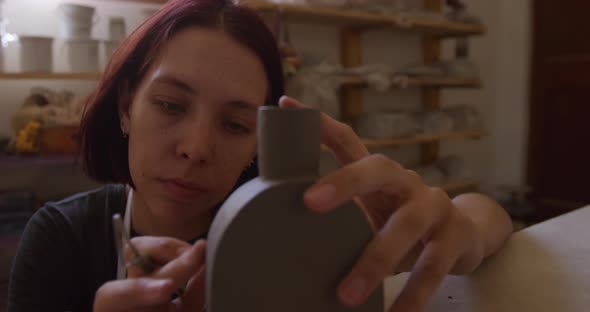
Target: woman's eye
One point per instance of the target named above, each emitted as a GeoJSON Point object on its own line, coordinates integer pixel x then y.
{"type": "Point", "coordinates": [170, 107]}
{"type": "Point", "coordinates": [235, 128]}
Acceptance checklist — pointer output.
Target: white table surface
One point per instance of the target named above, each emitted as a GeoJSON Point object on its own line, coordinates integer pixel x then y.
{"type": "Point", "coordinates": [543, 268]}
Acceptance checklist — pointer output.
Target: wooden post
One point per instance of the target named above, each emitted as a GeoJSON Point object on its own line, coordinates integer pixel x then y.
{"type": "Point", "coordinates": [431, 98]}
{"type": "Point", "coordinates": [351, 54]}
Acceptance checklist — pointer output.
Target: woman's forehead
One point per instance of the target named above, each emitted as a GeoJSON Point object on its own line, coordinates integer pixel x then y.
{"type": "Point", "coordinates": [202, 58]}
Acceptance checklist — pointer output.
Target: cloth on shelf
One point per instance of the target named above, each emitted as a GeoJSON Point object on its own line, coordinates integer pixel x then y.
{"type": "Point", "coordinates": [458, 68]}
{"type": "Point", "coordinates": [50, 108]}
{"type": "Point", "coordinates": [429, 70]}
{"type": "Point", "coordinates": [318, 86]}
{"type": "Point", "coordinates": [317, 82]}
{"type": "Point", "coordinates": [464, 16]}
{"type": "Point", "coordinates": [434, 122]}
{"type": "Point", "coordinates": [465, 117]}
{"type": "Point", "coordinates": [454, 168]}
{"type": "Point", "coordinates": [378, 76]}
{"type": "Point", "coordinates": [386, 125]}
{"type": "Point", "coordinates": [448, 169]}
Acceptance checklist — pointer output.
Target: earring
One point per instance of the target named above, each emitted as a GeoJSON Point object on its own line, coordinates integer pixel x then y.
{"type": "Point", "coordinates": [125, 134]}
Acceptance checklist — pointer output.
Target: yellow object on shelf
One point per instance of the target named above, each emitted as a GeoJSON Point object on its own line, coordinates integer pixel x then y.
{"type": "Point", "coordinates": [26, 139]}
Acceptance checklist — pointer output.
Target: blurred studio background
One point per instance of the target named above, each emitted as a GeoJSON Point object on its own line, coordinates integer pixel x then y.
{"type": "Point", "coordinates": [474, 95]}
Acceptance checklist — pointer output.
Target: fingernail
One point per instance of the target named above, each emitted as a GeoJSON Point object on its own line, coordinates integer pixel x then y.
{"type": "Point", "coordinates": [320, 196]}
{"type": "Point", "coordinates": [283, 98]}
{"type": "Point", "coordinates": [353, 291]}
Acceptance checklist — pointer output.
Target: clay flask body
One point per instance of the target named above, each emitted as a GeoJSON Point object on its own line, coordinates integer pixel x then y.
{"type": "Point", "coordinates": [266, 252]}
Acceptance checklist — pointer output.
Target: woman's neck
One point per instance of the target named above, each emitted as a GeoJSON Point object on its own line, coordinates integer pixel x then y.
{"type": "Point", "coordinates": [146, 223]}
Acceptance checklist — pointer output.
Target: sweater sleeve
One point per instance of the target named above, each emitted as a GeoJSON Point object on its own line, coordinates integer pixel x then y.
{"type": "Point", "coordinates": [45, 267]}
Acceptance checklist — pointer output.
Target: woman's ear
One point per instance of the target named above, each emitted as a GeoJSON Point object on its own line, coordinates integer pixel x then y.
{"type": "Point", "coordinates": [124, 118]}
{"type": "Point", "coordinates": [124, 108]}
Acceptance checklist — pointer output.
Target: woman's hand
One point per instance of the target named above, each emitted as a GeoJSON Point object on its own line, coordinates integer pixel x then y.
{"type": "Point", "coordinates": [180, 264]}
{"type": "Point", "coordinates": [415, 225]}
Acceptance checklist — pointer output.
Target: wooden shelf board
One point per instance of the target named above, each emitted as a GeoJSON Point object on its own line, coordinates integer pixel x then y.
{"type": "Point", "coordinates": [356, 18]}
{"type": "Point", "coordinates": [460, 186]}
{"type": "Point", "coordinates": [397, 82]}
{"type": "Point", "coordinates": [362, 19]}
{"type": "Point", "coordinates": [50, 76]}
{"type": "Point", "coordinates": [15, 161]}
{"type": "Point", "coordinates": [351, 80]}
{"type": "Point", "coordinates": [421, 138]}
{"type": "Point", "coordinates": [424, 138]}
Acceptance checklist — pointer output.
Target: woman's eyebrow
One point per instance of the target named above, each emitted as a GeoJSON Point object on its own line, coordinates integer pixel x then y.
{"type": "Point", "coordinates": [175, 82]}
{"type": "Point", "coordinates": [243, 105]}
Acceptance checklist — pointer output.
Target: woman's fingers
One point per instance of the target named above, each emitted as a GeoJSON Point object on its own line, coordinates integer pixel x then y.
{"type": "Point", "coordinates": [161, 250]}
{"type": "Point", "coordinates": [431, 268]}
{"type": "Point", "coordinates": [194, 295]}
{"type": "Point", "coordinates": [374, 173]}
{"type": "Point", "coordinates": [133, 294]}
{"type": "Point", "coordinates": [384, 253]}
{"type": "Point", "coordinates": [346, 146]}
{"type": "Point", "coordinates": [185, 266]}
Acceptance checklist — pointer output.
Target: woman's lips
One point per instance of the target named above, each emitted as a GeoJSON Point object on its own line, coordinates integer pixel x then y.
{"type": "Point", "coordinates": [181, 189]}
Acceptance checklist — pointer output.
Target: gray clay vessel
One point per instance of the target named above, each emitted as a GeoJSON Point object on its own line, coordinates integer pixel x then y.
{"type": "Point", "coordinates": [266, 252]}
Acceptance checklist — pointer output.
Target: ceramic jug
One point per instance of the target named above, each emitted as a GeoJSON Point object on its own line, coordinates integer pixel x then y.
{"type": "Point", "coordinates": [266, 251]}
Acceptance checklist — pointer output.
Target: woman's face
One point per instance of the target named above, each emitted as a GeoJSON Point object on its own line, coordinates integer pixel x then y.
{"type": "Point", "coordinates": [192, 122]}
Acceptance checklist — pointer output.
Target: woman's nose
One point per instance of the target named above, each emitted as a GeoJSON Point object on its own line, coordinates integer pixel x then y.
{"type": "Point", "coordinates": [197, 143]}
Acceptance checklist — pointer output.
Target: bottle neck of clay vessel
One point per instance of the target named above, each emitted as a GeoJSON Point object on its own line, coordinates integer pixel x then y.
{"type": "Point", "coordinates": [288, 143]}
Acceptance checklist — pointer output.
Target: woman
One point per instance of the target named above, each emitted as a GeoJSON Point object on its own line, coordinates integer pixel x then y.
{"type": "Point", "coordinates": [174, 118]}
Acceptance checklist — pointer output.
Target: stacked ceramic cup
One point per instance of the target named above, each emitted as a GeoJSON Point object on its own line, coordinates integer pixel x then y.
{"type": "Point", "coordinates": [117, 32]}
{"type": "Point", "coordinates": [1, 37]}
{"type": "Point", "coordinates": [36, 53]}
{"type": "Point", "coordinates": [75, 26]}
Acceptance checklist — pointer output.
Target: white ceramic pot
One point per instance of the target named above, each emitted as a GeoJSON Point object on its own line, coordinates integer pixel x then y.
{"type": "Point", "coordinates": [76, 21]}
{"type": "Point", "coordinates": [1, 54]}
{"type": "Point", "coordinates": [117, 29]}
{"type": "Point", "coordinates": [77, 12]}
{"type": "Point", "coordinates": [83, 55]}
{"type": "Point", "coordinates": [36, 53]}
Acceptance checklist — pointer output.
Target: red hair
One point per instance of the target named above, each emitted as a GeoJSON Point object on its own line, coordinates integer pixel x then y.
{"type": "Point", "coordinates": [104, 150]}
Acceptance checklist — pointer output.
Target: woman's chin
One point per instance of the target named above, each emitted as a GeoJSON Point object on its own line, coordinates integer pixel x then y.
{"type": "Point", "coordinates": [172, 209]}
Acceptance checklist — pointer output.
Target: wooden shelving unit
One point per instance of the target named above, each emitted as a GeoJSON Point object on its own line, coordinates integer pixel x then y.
{"type": "Point", "coordinates": [421, 138]}
{"type": "Point", "coordinates": [433, 32]}
{"type": "Point", "coordinates": [424, 138]}
{"type": "Point", "coordinates": [352, 24]}
{"type": "Point", "coordinates": [403, 82]}
{"type": "Point", "coordinates": [49, 76]}
{"type": "Point", "coordinates": [354, 18]}
{"type": "Point", "coordinates": [15, 161]}
{"type": "Point", "coordinates": [351, 18]}
{"type": "Point", "coordinates": [351, 80]}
